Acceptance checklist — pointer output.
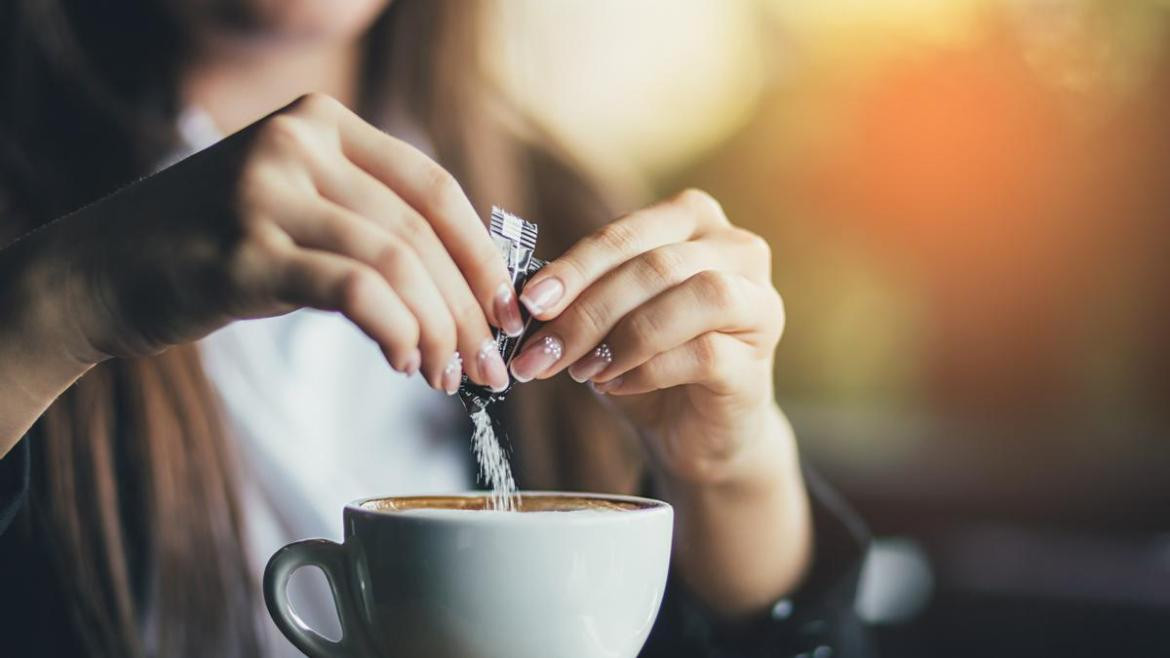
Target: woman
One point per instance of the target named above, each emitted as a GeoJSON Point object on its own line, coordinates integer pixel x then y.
{"type": "Point", "coordinates": [137, 524]}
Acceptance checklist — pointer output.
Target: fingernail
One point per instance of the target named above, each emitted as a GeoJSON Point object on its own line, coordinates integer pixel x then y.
{"type": "Point", "coordinates": [412, 363]}
{"type": "Point", "coordinates": [507, 311]}
{"type": "Point", "coordinates": [606, 387]}
{"type": "Point", "coordinates": [491, 366]}
{"type": "Point", "coordinates": [537, 357]}
{"type": "Point", "coordinates": [593, 363]}
{"type": "Point", "coordinates": [541, 295]}
{"type": "Point", "coordinates": [452, 374]}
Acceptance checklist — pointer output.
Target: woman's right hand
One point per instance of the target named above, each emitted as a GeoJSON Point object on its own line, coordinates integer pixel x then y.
{"type": "Point", "coordinates": [308, 207]}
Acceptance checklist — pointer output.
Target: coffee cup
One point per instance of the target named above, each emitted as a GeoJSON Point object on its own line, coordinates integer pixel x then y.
{"type": "Point", "coordinates": [568, 575]}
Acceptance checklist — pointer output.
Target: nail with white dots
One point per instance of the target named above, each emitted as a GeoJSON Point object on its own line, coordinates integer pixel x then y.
{"type": "Point", "coordinates": [537, 357]}
{"type": "Point", "coordinates": [591, 364]}
{"type": "Point", "coordinates": [452, 373]}
{"type": "Point", "coordinates": [491, 366]}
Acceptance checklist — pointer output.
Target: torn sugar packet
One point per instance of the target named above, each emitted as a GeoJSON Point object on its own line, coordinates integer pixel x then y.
{"type": "Point", "coordinates": [516, 240]}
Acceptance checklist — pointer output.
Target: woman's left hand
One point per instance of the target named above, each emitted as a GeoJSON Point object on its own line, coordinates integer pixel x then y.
{"type": "Point", "coordinates": [670, 310]}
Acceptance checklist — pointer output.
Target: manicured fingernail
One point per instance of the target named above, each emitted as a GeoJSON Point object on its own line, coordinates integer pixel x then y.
{"type": "Point", "coordinates": [452, 373]}
{"type": "Point", "coordinates": [491, 366]}
{"type": "Point", "coordinates": [507, 311]}
{"type": "Point", "coordinates": [412, 363]}
{"type": "Point", "coordinates": [591, 364]}
{"type": "Point", "coordinates": [542, 295]}
{"type": "Point", "coordinates": [537, 357]}
{"type": "Point", "coordinates": [606, 387]}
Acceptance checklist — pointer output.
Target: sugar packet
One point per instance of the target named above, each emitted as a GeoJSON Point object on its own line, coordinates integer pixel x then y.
{"type": "Point", "coordinates": [516, 240]}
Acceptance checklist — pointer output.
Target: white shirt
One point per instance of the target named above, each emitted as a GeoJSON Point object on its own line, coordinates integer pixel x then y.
{"type": "Point", "coordinates": [319, 420]}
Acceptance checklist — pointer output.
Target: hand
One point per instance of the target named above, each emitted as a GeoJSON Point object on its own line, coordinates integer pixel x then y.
{"type": "Point", "coordinates": [308, 207]}
{"type": "Point", "coordinates": [671, 311]}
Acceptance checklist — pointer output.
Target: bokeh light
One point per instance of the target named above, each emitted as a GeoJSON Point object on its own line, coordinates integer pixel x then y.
{"type": "Point", "coordinates": [967, 202]}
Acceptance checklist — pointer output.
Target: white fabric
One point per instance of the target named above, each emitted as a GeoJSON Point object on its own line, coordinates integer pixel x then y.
{"type": "Point", "coordinates": [320, 419]}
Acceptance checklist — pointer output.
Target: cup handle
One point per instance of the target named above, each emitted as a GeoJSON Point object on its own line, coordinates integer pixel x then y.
{"type": "Point", "coordinates": [328, 557]}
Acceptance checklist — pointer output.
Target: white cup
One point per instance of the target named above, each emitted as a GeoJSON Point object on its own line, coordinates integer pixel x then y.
{"type": "Point", "coordinates": [460, 583]}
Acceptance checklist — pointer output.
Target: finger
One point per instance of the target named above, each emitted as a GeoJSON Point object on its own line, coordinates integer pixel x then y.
{"type": "Point", "coordinates": [331, 282]}
{"type": "Point", "coordinates": [585, 323]}
{"type": "Point", "coordinates": [714, 360]}
{"type": "Point", "coordinates": [367, 197]}
{"type": "Point", "coordinates": [329, 227]}
{"type": "Point", "coordinates": [708, 301]}
{"type": "Point", "coordinates": [437, 196]}
{"type": "Point", "coordinates": [558, 284]}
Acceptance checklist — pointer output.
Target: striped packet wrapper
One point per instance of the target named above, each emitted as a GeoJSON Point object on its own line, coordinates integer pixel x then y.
{"type": "Point", "coordinates": [516, 240]}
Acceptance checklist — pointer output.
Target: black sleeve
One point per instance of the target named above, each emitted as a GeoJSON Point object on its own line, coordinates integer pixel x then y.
{"type": "Point", "coordinates": [817, 621]}
{"type": "Point", "coordinates": [14, 474]}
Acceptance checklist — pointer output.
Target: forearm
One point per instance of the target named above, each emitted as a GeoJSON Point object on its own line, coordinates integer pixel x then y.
{"type": "Point", "coordinates": [745, 542]}
{"type": "Point", "coordinates": [37, 360]}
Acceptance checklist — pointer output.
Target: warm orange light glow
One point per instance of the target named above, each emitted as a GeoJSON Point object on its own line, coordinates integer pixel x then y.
{"type": "Point", "coordinates": [966, 198]}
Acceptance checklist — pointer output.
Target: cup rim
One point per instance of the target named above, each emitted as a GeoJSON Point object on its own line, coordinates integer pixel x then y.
{"type": "Point", "coordinates": [650, 506]}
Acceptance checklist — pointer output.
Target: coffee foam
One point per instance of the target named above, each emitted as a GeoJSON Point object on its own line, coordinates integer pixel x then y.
{"type": "Point", "coordinates": [524, 503]}
{"type": "Point", "coordinates": [490, 515]}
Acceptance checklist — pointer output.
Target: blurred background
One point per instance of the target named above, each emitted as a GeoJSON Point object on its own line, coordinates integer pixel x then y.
{"type": "Point", "coordinates": [968, 202]}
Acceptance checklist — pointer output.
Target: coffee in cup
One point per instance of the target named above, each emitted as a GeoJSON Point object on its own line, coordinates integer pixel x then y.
{"type": "Point", "coordinates": [569, 575]}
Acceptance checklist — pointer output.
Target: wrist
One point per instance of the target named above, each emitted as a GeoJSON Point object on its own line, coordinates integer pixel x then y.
{"type": "Point", "coordinates": [38, 357]}
{"type": "Point", "coordinates": [41, 331]}
{"type": "Point", "coordinates": [764, 446]}
{"type": "Point", "coordinates": [745, 540]}
{"type": "Point", "coordinates": [765, 472]}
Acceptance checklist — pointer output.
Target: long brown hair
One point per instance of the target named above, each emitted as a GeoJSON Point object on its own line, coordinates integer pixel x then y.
{"type": "Point", "coordinates": [133, 470]}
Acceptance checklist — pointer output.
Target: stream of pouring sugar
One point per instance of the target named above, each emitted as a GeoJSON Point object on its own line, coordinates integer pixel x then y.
{"type": "Point", "coordinates": [516, 240]}
{"type": "Point", "coordinates": [493, 462]}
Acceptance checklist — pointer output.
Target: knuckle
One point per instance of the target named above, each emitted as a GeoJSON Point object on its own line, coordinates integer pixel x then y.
{"type": "Point", "coordinates": [778, 312]}
{"type": "Point", "coordinates": [755, 243]}
{"type": "Point", "coordinates": [265, 186]}
{"type": "Point", "coordinates": [442, 188]}
{"type": "Point", "coordinates": [759, 252]}
{"type": "Point", "coordinates": [569, 269]}
{"type": "Point", "coordinates": [617, 236]}
{"type": "Point", "coordinates": [264, 237]}
{"type": "Point", "coordinates": [354, 288]}
{"type": "Point", "coordinates": [703, 203]}
{"type": "Point", "coordinates": [717, 288]}
{"type": "Point", "coordinates": [588, 318]}
{"type": "Point", "coordinates": [332, 229]}
{"type": "Point", "coordinates": [255, 238]}
{"type": "Point", "coordinates": [284, 127]}
{"type": "Point", "coordinates": [256, 253]}
{"type": "Point", "coordinates": [256, 177]}
{"type": "Point", "coordinates": [315, 103]}
{"type": "Point", "coordinates": [387, 256]}
{"type": "Point", "coordinates": [412, 224]}
{"type": "Point", "coordinates": [641, 330]}
{"type": "Point", "coordinates": [483, 264]}
{"type": "Point", "coordinates": [707, 351]}
{"type": "Point", "coordinates": [714, 358]}
{"type": "Point", "coordinates": [255, 187]}
{"type": "Point", "coordinates": [439, 336]}
{"type": "Point", "coordinates": [663, 265]}
{"type": "Point", "coordinates": [468, 316]}
{"type": "Point", "coordinates": [651, 374]}
{"type": "Point", "coordinates": [288, 134]}
{"type": "Point", "coordinates": [407, 332]}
